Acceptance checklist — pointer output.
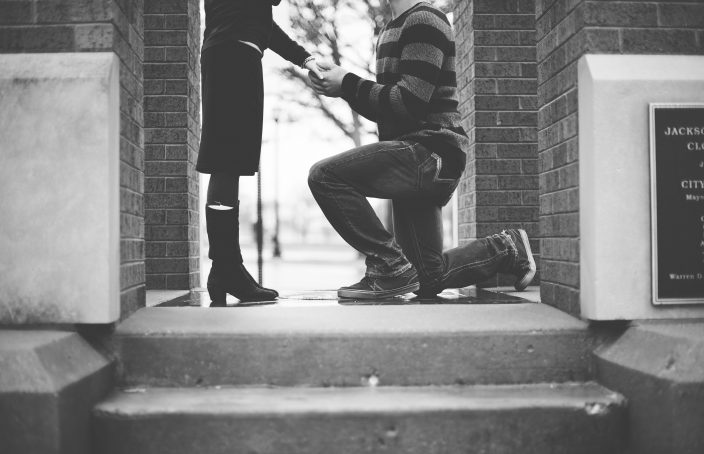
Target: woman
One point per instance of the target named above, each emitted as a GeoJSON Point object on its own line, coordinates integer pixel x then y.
{"type": "Point", "coordinates": [236, 34]}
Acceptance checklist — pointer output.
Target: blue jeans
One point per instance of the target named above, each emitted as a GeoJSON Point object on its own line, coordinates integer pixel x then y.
{"type": "Point", "coordinates": [408, 174]}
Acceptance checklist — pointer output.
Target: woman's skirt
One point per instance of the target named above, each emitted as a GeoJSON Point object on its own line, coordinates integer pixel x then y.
{"type": "Point", "coordinates": [233, 98]}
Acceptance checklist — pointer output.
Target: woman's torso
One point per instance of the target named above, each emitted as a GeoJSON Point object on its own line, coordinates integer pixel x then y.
{"type": "Point", "coordinates": [237, 20]}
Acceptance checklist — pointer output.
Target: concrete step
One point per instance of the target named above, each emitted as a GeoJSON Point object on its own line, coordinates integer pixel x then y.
{"type": "Point", "coordinates": [334, 345]}
{"type": "Point", "coordinates": [568, 418]}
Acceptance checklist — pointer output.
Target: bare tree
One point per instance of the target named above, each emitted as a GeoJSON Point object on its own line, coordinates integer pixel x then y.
{"type": "Point", "coordinates": [320, 24]}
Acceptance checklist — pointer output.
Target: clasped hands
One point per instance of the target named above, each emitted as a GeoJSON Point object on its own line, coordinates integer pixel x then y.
{"type": "Point", "coordinates": [326, 78]}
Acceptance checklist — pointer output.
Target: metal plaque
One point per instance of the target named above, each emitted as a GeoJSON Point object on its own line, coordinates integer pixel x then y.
{"type": "Point", "coordinates": [677, 198]}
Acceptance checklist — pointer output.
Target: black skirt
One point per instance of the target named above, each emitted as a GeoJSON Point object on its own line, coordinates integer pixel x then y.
{"type": "Point", "coordinates": [233, 98]}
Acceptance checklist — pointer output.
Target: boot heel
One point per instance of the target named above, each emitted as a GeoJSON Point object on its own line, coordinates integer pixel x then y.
{"type": "Point", "coordinates": [217, 296]}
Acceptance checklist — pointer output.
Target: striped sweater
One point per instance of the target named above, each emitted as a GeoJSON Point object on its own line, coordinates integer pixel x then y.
{"type": "Point", "coordinates": [415, 94]}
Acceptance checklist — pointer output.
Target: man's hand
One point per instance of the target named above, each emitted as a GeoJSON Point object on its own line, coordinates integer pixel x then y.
{"type": "Point", "coordinates": [331, 82]}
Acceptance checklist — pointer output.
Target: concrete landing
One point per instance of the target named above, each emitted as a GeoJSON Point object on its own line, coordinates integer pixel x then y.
{"type": "Point", "coordinates": [347, 345]}
{"type": "Point", "coordinates": [353, 320]}
{"type": "Point", "coordinates": [571, 419]}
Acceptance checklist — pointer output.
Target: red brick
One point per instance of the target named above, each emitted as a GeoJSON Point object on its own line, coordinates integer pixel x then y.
{"type": "Point", "coordinates": [46, 38]}
{"type": "Point", "coordinates": [131, 274]}
{"type": "Point", "coordinates": [681, 15]}
{"type": "Point", "coordinates": [165, 103]}
{"type": "Point", "coordinates": [484, 69]}
{"type": "Point", "coordinates": [497, 102]}
{"type": "Point", "coordinates": [180, 249]}
{"type": "Point", "coordinates": [165, 6]}
{"type": "Point", "coordinates": [167, 233]}
{"type": "Point", "coordinates": [16, 12]}
{"type": "Point", "coordinates": [496, 6]}
{"type": "Point", "coordinates": [667, 41]}
{"type": "Point", "coordinates": [179, 281]}
{"type": "Point", "coordinates": [154, 217]}
{"type": "Point", "coordinates": [176, 185]}
{"type": "Point", "coordinates": [72, 11]}
{"type": "Point", "coordinates": [620, 14]}
{"type": "Point", "coordinates": [166, 265]}
{"type": "Point", "coordinates": [131, 250]}
{"type": "Point", "coordinates": [165, 38]}
{"type": "Point", "coordinates": [165, 70]}
{"type": "Point", "coordinates": [176, 22]}
{"type": "Point", "coordinates": [154, 22]}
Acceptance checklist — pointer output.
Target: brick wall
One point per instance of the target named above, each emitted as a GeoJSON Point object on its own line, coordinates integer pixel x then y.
{"type": "Point", "coordinates": [98, 26]}
{"type": "Point", "coordinates": [498, 89]}
{"type": "Point", "coordinates": [172, 132]}
{"type": "Point", "coordinates": [566, 31]}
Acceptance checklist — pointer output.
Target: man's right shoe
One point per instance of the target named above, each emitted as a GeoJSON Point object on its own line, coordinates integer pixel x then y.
{"type": "Point", "coordinates": [371, 288]}
{"type": "Point", "coordinates": [523, 266]}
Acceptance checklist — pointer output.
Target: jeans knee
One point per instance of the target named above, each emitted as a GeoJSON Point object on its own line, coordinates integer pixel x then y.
{"type": "Point", "coordinates": [316, 175]}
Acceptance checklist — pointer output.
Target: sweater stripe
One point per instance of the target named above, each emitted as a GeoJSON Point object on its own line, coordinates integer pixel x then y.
{"type": "Point", "coordinates": [415, 93]}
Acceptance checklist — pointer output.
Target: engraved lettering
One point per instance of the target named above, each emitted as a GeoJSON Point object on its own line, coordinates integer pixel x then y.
{"type": "Point", "coordinates": [684, 131]}
{"type": "Point", "coordinates": [682, 277]}
{"type": "Point", "coordinates": [692, 184]}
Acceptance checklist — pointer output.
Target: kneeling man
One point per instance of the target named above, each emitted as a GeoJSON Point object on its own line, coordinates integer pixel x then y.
{"type": "Point", "coordinates": [417, 164]}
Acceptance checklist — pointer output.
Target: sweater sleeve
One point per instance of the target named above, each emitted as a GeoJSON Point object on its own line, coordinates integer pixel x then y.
{"type": "Point", "coordinates": [424, 43]}
{"type": "Point", "coordinates": [287, 48]}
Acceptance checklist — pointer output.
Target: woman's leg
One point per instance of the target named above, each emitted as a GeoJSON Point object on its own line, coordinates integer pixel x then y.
{"type": "Point", "coordinates": [223, 191]}
{"type": "Point", "coordinates": [228, 274]}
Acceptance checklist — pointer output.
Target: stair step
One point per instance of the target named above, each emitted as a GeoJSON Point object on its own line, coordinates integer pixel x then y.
{"type": "Point", "coordinates": [526, 419]}
{"type": "Point", "coordinates": [351, 345]}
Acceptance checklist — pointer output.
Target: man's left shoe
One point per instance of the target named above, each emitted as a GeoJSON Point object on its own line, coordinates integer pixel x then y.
{"type": "Point", "coordinates": [524, 264]}
{"type": "Point", "coordinates": [370, 288]}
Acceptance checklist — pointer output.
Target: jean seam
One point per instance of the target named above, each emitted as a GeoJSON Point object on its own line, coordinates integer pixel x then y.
{"type": "Point", "coordinates": [405, 268]}
{"type": "Point", "coordinates": [512, 247]}
{"type": "Point", "coordinates": [438, 169]}
{"type": "Point", "coordinates": [340, 209]}
{"type": "Point", "coordinates": [341, 163]}
{"type": "Point", "coordinates": [416, 247]}
{"type": "Point", "coordinates": [478, 264]}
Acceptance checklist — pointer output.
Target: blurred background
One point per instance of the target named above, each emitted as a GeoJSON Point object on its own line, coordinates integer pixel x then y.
{"type": "Point", "coordinates": [301, 251]}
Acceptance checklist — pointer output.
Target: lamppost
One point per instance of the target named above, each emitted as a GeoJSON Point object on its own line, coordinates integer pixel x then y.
{"type": "Point", "coordinates": [275, 239]}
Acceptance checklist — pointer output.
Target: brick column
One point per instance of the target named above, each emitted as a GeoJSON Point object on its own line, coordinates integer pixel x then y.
{"type": "Point", "coordinates": [498, 93]}
{"type": "Point", "coordinates": [172, 131]}
{"type": "Point", "coordinates": [566, 31]}
{"type": "Point", "coordinates": [92, 26]}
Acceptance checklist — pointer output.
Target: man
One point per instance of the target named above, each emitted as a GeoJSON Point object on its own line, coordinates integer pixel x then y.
{"type": "Point", "coordinates": [417, 164]}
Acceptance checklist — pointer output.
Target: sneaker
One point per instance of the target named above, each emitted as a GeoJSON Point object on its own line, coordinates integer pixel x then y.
{"type": "Point", "coordinates": [370, 287]}
{"type": "Point", "coordinates": [523, 264]}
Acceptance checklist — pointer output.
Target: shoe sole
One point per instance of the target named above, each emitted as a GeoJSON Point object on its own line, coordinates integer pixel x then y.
{"type": "Point", "coordinates": [522, 283]}
{"type": "Point", "coordinates": [361, 294]}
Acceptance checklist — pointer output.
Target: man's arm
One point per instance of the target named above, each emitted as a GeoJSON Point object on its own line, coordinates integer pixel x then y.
{"type": "Point", "coordinates": [424, 43]}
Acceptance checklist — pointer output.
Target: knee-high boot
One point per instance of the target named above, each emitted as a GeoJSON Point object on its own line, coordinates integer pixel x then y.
{"type": "Point", "coordinates": [228, 274]}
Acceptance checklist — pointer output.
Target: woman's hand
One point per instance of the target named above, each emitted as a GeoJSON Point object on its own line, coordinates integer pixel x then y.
{"type": "Point", "coordinates": [312, 66]}
{"type": "Point", "coordinates": [330, 84]}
